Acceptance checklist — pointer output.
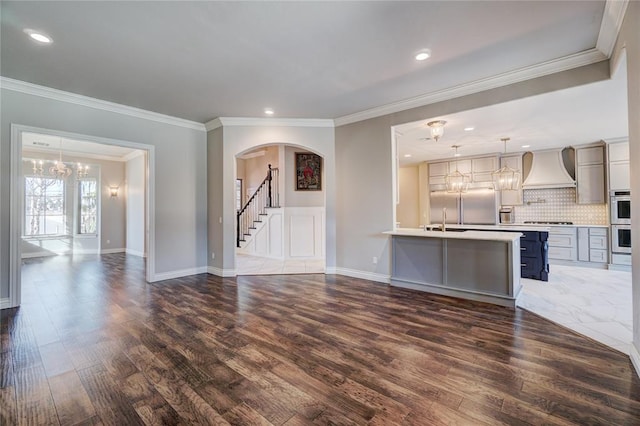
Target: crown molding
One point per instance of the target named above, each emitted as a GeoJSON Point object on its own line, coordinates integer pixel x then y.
{"type": "Point", "coordinates": [616, 140]}
{"type": "Point", "coordinates": [74, 154]}
{"type": "Point", "coordinates": [72, 98]}
{"type": "Point", "coordinates": [612, 19]}
{"type": "Point", "coordinates": [268, 122]}
{"type": "Point", "coordinates": [576, 60]}
{"type": "Point", "coordinates": [132, 155]}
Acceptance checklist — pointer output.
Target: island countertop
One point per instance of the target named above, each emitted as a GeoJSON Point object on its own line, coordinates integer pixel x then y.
{"type": "Point", "coordinates": [458, 235]}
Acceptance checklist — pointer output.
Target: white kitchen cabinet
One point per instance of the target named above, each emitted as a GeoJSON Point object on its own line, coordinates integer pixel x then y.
{"type": "Point", "coordinates": [619, 170]}
{"type": "Point", "coordinates": [590, 175]}
{"type": "Point", "coordinates": [563, 243]}
{"type": "Point", "coordinates": [592, 245]}
{"type": "Point", "coordinates": [482, 168]}
{"type": "Point", "coordinates": [512, 198]}
{"type": "Point", "coordinates": [437, 172]}
{"type": "Point", "coordinates": [463, 166]}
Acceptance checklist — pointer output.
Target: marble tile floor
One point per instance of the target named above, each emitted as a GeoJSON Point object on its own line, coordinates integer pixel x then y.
{"type": "Point", "coordinates": [256, 265]}
{"type": "Point", "coordinates": [592, 302]}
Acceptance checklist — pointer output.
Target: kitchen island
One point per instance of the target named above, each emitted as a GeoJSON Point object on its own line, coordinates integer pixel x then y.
{"type": "Point", "coordinates": [475, 265]}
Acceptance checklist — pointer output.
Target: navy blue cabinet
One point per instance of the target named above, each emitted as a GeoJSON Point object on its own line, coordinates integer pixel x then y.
{"type": "Point", "coordinates": [534, 255]}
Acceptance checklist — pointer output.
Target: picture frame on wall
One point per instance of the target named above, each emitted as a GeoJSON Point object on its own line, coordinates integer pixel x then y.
{"type": "Point", "coordinates": [308, 172]}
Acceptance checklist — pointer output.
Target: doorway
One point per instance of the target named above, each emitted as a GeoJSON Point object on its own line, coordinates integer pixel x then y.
{"type": "Point", "coordinates": [70, 194]}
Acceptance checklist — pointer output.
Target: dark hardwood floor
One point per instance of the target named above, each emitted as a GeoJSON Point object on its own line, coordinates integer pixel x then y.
{"type": "Point", "coordinates": [94, 344]}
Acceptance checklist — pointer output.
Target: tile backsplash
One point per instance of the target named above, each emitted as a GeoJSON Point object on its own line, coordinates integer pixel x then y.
{"type": "Point", "coordinates": [559, 204]}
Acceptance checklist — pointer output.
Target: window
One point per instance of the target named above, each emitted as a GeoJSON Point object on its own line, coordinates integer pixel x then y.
{"type": "Point", "coordinates": [88, 206]}
{"type": "Point", "coordinates": [44, 206]}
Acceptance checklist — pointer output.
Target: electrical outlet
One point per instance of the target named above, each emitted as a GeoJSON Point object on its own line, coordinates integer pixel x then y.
{"type": "Point", "coordinates": [220, 219]}
{"type": "Point", "coordinates": [108, 241]}
{"type": "Point", "coordinates": [375, 260]}
{"type": "Point", "coordinates": [213, 255]}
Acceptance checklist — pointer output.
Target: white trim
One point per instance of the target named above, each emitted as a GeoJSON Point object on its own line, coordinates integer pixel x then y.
{"type": "Point", "coordinates": [616, 140]}
{"type": "Point", "coordinates": [135, 253]}
{"type": "Point", "coordinates": [635, 358]}
{"type": "Point", "coordinates": [213, 124]}
{"type": "Point", "coordinates": [108, 251]}
{"type": "Point", "coordinates": [41, 254]}
{"type": "Point", "coordinates": [527, 73]}
{"type": "Point", "coordinates": [179, 273]}
{"type": "Point", "coordinates": [268, 122]}
{"type": "Point", "coordinates": [610, 26]}
{"type": "Point", "coordinates": [221, 272]}
{"type": "Point", "coordinates": [33, 149]}
{"type": "Point", "coordinates": [365, 275]}
{"type": "Point", "coordinates": [5, 303]}
{"type": "Point", "coordinates": [131, 155]}
{"type": "Point", "coordinates": [73, 98]}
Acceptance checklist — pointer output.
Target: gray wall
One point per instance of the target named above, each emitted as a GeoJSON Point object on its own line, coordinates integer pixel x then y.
{"type": "Point", "coordinates": [135, 171]}
{"type": "Point", "coordinates": [364, 201]}
{"type": "Point", "coordinates": [295, 198]}
{"type": "Point", "coordinates": [629, 40]}
{"type": "Point", "coordinates": [214, 197]}
{"type": "Point", "coordinates": [181, 178]}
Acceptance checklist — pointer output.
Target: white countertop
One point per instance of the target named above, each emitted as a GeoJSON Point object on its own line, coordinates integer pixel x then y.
{"type": "Point", "coordinates": [466, 235]}
{"type": "Point", "coordinates": [509, 227]}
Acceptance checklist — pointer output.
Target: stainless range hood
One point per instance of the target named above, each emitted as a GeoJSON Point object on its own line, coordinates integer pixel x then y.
{"type": "Point", "coordinates": [548, 171]}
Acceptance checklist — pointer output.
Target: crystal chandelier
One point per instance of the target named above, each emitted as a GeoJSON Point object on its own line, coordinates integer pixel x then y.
{"type": "Point", "coordinates": [437, 129]}
{"type": "Point", "coordinates": [82, 171]}
{"type": "Point", "coordinates": [456, 181]}
{"type": "Point", "coordinates": [506, 178]}
{"type": "Point", "coordinates": [59, 170]}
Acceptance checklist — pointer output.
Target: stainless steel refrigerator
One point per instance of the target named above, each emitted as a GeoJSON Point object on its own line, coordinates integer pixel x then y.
{"type": "Point", "coordinates": [474, 207]}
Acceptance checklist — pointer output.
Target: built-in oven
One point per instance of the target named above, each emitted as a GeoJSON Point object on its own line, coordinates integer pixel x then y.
{"type": "Point", "coordinates": [620, 207]}
{"type": "Point", "coordinates": [621, 238]}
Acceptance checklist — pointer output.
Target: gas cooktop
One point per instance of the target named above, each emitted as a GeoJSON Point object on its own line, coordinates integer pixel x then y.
{"type": "Point", "coordinates": [547, 222]}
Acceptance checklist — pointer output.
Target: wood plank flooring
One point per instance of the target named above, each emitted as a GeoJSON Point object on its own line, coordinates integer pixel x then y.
{"type": "Point", "coordinates": [94, 344]}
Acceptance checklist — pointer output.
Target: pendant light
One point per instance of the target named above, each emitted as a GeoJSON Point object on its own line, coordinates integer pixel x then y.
{"type": "Point", "coordinates": [60, 170]}
{"type": "Point", "coordinates": [456, 181]}
{"type": "Point", "coordinates": [437, 129]}
{"type": "Point", "coordinates": [506, 178]}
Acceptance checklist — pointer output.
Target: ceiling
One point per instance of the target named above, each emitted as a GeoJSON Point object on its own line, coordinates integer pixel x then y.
{"type": "Point", "coordinates": [569, 117]}
{"type": "Point", "coordinates": [35, 142]}
{"type": "Point", "coordinates": [202, 60]}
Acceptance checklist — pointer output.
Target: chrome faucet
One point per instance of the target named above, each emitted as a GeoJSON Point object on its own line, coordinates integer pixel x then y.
{"type": "Point", "coordinates": [444, 219]}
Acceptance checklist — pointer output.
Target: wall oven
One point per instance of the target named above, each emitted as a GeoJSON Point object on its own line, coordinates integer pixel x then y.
{"type": "Point", "coordinates": [620, 208]}
{"type": "Point", "coordinates": [621, 238]}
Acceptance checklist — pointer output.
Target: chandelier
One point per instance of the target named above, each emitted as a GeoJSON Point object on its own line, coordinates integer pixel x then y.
{"type": "Point", "coordinates": [456, 181]}
{"type": "Point", "coordinates": [437, 129]}
{"type": "Point", "coordinates": [82, 171]}
{"type": "Point", "coordinates": [37, 167]}
{"type": "Point", "coordinates": [59, 170]}
{"type": "Point", "coordinates": [506, 178]}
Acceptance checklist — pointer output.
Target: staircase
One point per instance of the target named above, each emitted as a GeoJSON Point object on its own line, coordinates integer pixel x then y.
{"type": "Point", "coordinates": [251, 215]}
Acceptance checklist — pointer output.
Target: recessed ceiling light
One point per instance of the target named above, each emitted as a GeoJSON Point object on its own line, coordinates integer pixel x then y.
{"type": "Point", "coordinates": [423, 54]}
{"type": "Point", "coordinates": [526, 146]}
{"type": "Point", "coordinates": [38, 36]}
{"type": "Point", "coordinates": [468, 129]}
{"type": "Point", "coordinates": [407, 156]}
{"type": "Point", "coordinates": [268, 111]}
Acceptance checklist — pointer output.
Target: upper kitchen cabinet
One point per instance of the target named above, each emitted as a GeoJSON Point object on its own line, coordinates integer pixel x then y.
{"type": "Point", "coordinates": [440, 169]}
{"type": "Point", "coordinates": [512, 198]}
{"type": "Point", "coordinates": [590, 175]}
{"type": "Point", "coordinates": [619, 174]}
{"type": "Point", "coordinates": [482, 167]}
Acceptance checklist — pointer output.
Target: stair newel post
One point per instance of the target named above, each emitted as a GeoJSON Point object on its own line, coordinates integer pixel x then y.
{"type": "Point", "coordinates": [237, 228]}
{"type": "Point", "coordinates": [269, 177]}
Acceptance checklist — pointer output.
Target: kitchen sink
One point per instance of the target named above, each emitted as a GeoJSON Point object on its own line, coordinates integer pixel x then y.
{"type": "Point", "coordinates": [437, 228]}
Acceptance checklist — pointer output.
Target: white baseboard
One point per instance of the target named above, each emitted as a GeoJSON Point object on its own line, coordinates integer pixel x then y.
{"type": "Point", "coordinates": [135, 253]}
{"type": "Point", "coordinates": [5, 303]}
{"type": "Point", "coordinates": [178, 274]}
{"type": "Point", "coordinates": [221, 272]}
{"type": "Point", "coordinates": [635, 358]}
{"type": "Point", "coordinates": [107, 251]}
{"type": "Point", "coordinates": [38, 254]}
{"type": "Point", "coordinates": [371, 276]}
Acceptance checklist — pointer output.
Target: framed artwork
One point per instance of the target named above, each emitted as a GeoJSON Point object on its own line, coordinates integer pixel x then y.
{"type": "Point", "coordinates": [308, 172]}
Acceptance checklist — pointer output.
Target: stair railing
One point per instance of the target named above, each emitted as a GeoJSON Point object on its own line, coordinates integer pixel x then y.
{"type": "Point", "coordinates": [267, 195]}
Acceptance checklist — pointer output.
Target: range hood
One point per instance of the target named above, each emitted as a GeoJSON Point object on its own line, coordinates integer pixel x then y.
{"type": "Point", "coordinates": [548, 171]}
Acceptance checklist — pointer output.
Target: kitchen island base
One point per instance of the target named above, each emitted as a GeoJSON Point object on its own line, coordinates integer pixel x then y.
{"type": "Point", "coordinates": [471, 265]}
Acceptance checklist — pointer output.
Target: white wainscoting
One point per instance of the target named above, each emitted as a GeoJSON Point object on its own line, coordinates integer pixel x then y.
{"type": "Point", "coordinates": [304, 232]}
{"type": "Point", "coordinates": [267, 239]}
